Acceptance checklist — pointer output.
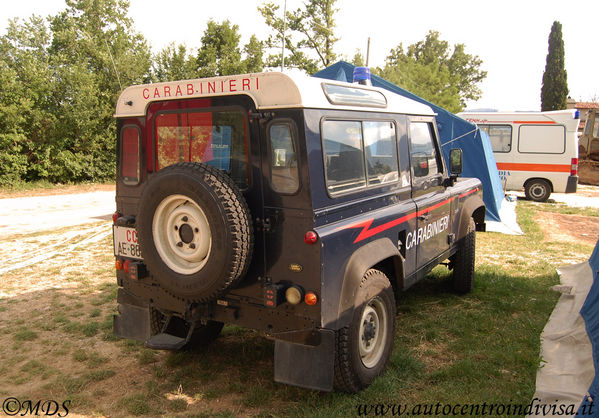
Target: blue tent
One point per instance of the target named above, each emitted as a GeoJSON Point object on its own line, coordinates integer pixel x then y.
{"type": "Point", "coordinates": [454, 131]}
{"type": "Point", "coordinates": [591, 319]}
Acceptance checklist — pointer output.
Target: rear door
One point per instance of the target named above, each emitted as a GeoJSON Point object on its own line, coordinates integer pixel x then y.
{"type": "Point", "coordinates": [433, 201]}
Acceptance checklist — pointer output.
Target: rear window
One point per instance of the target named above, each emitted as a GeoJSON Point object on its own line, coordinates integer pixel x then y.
{"type": "Point", "coordinates": [130, 155]}
{"type": "Point", "coordinates": [542, 139]}
{"type": "Point", "coordinates": [216, 138]}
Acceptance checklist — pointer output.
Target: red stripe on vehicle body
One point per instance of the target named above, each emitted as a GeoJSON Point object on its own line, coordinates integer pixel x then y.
{"type": "Point", "coordinates": [552, 168]}
{"type": "Point", "coordinates": [367, 232]}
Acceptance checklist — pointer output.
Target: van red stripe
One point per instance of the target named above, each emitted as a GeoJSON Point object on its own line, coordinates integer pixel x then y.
{"type": "Point", "coordinates": [536, 122]}
{"type": "Point", "coordinates": [552, 168]}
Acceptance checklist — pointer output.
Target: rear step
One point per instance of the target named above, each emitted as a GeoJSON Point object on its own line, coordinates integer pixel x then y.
{"type": "Point", "coordinates": [166, 340]}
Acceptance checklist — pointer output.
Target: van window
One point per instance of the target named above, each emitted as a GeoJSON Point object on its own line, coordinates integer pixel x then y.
{"type": "Point", "coordinates": [534, 139]}
{"type": "Point", "coordinates": [284, 175]}
{"type": "Point", "coordinates": [500, 136]}
{"type": "Point", "coordinates": [359, 154]}
{"type": "Point", "coordinates": [216, 138]}
{"type": "Point", "coordinates": [425, 161]}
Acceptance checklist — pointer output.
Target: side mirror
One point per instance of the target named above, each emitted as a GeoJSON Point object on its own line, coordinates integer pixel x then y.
{"type": "Point", "coordinates": [455, 162]}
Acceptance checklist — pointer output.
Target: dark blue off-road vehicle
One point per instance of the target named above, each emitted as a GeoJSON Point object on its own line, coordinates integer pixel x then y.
{"type": "Point", "coordinates": [287, 204]}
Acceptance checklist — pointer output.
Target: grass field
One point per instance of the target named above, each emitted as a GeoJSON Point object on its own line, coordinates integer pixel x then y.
{"type": "Point", "coordinates": [56, 339]}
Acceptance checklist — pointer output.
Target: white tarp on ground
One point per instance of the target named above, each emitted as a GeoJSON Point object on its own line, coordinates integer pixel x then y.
{"type": "Point", "coordinates": [567, 369]}
{"type": "Point", "coordinates": [509, 224]}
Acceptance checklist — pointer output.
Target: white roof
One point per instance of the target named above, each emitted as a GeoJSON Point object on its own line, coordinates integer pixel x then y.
{"type": "Point", "coordinates": [272, 90]}
{"type": "Point", "coordinates": [557, 116]}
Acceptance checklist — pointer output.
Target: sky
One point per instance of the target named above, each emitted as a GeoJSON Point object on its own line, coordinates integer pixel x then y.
{"type": "Point", "coordinates": [511, 37]}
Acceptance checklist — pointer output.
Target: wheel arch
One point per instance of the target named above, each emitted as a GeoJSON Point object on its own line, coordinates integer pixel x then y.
{"type": "Point", "coordinates": [474, 207]}
{"type": "Point", "coordinates": [530, 180]}
{"type": "Point", "coordinates": [380, 254]}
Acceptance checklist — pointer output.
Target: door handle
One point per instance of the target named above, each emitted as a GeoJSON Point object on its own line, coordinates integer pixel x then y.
{"type": "Point", "coordinates": [423, 217]}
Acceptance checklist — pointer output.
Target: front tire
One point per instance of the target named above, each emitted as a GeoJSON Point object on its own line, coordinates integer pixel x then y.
{"type": "Point", "coordinates": [364, 347]}
{"type": "Point", "coordinates": [537, 190]}
{"type": "Point", "coordinates": [463, 261]}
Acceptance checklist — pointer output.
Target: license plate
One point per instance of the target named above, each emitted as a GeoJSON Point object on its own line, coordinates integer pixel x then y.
{"type": "Point", "coordinates": [125, 242]}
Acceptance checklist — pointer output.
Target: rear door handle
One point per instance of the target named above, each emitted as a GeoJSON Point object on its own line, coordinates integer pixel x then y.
{"type": "Point", "coordinates": [423, 217]}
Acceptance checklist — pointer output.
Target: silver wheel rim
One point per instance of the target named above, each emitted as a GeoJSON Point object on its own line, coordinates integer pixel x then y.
{"type": "Point", "coordinates": [537, 190]}
{"type": "Point", "coordinates": [181, 234]}
{"type": "Point", "coordinates": [373, 332]}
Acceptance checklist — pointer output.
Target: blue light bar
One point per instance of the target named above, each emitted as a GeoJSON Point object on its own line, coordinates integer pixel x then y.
{"type": "Point", "coordinates": [362, 76]}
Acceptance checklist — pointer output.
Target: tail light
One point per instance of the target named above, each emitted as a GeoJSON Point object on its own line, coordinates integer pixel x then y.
{"type": "Point", "coordinates": [310, 237]}
{"type": "Point", "coordinates": [311, 299]}
{"type": "Point", "coordinates": [574, 167]}
{"type": "Point", "coordinates": [115, 216]}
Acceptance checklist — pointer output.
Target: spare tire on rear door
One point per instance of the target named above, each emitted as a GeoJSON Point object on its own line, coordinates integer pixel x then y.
{"type": "Point", "coordinates": [194, 231]}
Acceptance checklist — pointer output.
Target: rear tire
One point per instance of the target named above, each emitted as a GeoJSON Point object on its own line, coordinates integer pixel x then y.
{"type": "Point", "coordinates": [363, 348]}
{"type": "Point", "coordinates": [537, 190]}
{"type": "Point", "coordinates": [463, 261]}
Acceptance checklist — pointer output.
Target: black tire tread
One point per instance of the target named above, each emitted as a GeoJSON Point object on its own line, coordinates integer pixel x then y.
{"type": "Point", "coordinates": [236, 212]}
{"type": "Point", "coordinates": [345, 377]}
{"type": "Point", "coordinates": [463, 261]}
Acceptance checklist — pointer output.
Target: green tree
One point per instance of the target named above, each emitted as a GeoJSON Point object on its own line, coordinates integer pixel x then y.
{"type": "Point", "coordinates": [221, 54]}
{"type": "Point", "coordinates": [554, 91]}
{"type": "Point", "coordinates": [174, 63]}
{"type": "Point", "coordinates": [308, 32]}
{"type": "Point", "coordinates": [26, 100]}
{"type": "Point", "coordinates": [95, 53]}
{"type": "Point", "coordinates": [434, 71]}
{"type": "Point", "coordinates": [65, 75]}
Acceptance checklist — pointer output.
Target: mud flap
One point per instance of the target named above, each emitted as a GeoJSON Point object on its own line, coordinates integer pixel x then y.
{"type": "Point", "coordinates": [310, 367]}
{"type": "Point", "coordinates": [133, 321]}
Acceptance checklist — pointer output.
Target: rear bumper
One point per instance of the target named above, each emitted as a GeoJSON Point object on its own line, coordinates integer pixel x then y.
{"type": "Point", "coordinates": [572, 184]}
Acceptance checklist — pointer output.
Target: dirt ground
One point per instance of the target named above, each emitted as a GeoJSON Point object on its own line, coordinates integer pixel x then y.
{"type": "Point", "coordinates": [571, 228]}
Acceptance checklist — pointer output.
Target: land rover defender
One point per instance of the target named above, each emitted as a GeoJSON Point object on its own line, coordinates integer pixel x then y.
{"type": "Point", "coordinates": [288, 204]}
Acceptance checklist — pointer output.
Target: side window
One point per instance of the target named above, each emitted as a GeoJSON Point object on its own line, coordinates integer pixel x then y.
{"type": "Point", "coordinates": [216, 138]}
{"type": "Point", "coordinates": [500, 136]}
{"type": "Point", "coordinates": [380, 146]}
{"type": "Point", "coordinates": [425, 161]}
{"type": "Point", "coordinates": [130, 158]}
{"type": "Point", "coordinates": [359, 154]}
{"type": "Point", "coordinates": [344, 155]}
{"type": "Point", "coordinates": [284, 174]}
{"type": "Point", "coordinates": [534, 139]}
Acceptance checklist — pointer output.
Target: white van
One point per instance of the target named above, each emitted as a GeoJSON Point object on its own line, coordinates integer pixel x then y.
{"type": "Point", "coordinates": [537, 151]}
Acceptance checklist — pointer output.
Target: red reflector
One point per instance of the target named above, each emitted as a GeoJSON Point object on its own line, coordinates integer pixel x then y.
{"type": "Point", "coordinates": [126, 266]}
{"type": "Point", "coordinates": [310, 237]}
{"type": "Point", "coordinates": [311, 298]}
{"type": "Point", "coordinates": [574, 167]}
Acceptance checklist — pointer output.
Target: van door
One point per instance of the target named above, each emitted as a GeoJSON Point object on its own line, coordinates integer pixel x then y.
{"type": "Point", "coordinates": [433, 201]}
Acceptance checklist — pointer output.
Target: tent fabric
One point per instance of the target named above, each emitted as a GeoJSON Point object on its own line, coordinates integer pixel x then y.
{"type": "Point", "coordinates": [454, 132]}
{"type": "Point", "coordinates": [590, 313]}
{"type": "Point", "coordinates": [567, 369]}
